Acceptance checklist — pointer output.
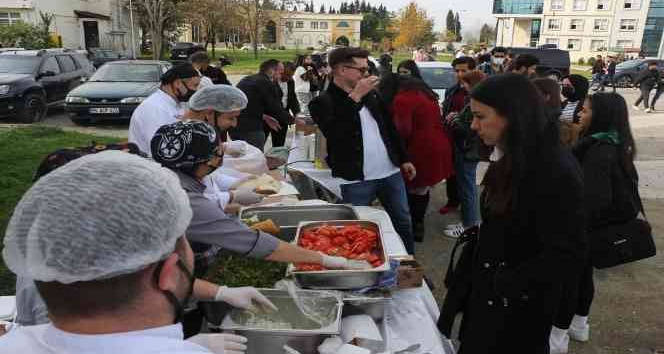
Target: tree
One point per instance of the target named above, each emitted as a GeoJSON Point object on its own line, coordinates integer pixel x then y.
{"type": "Point", "coordinates": [157, 14]}
{"type": "Point", "coordinates": [311, 6]}
{"type": "Point", "coordinates": [322, 9]}
{"type": "Point", "coordinates": [254, 14]}
{"type": "Point", "coordinates": [22, 34]}
{"type": "Point", "coordinates": [414, 28]}
{"type": "Point", "coordinates": [487, 34]}
{"type": "Point", "coordinates": [211, 16]}
{"type": "Point", "coordinates": [45, 28]}
{"type": "Point", "coordinates": [450, 24]}
{"type": "Point", "coordinates": [457, 29]}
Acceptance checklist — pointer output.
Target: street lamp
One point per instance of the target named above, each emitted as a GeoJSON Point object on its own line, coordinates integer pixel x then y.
{"type": "Point", "coordinates": [131, 22]}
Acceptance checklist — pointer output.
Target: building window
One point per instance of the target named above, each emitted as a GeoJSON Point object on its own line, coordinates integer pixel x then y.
{"type": "Point", "coordinates": [602, 4]}
{"type": "Point", "coordinates": [554, 41]}
{"type": "Point", "coordinates": [314, 25]}
{"type": "Point", "coordinates": [555, 24]}
{"type": "Point", "coordinates": [323, 25]}
{"type": "Point", "coordinates": [573, 44]}
{"type": "Point", "coordinates": [289, 25]}
{"type": "Point", "coordinates": [9, 18]}
{"type": "Point", "coordinates": [597, 45]}
{"type": "Point", "coordinates": [628, 25]}
{"type": "Point", "coordinates": [343, 24]}
{"type": "Point", "coordinates": [601, 24]}
{"type": "Point", "coordinates": [580, 5]}
{"type": "Point", "coordinates": [576, 25]}
{"type": "Point", "coordinates": [518, 7]}
{"type": "Point", "coordinates": [625, 44]}
{"type": "Point", "coordinates": [557, 5]}
{"type": "Point", "coordinates": [632, 4]}
{"type": "Point", "coordinates": [299, 24]}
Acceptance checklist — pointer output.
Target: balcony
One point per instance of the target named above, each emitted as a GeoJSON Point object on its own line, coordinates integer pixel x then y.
{"type": "Point", "coordinates": [518, 7]}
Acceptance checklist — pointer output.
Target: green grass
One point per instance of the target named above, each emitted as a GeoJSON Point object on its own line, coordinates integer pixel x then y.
{"type": "Point", "coordinates": [585, 73]}
{"type": "Point", "coordinates": [21, 151]}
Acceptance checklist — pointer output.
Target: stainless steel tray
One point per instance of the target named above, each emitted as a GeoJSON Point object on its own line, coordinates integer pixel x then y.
{"type": "Point", "coordinates": [262, 341]}
{"type": "Point", "coordinates": [372, 304]}
{"type": "Point", "coordinates": [289, 217]}
{"type": "Point", "coordinates": [340, 279]}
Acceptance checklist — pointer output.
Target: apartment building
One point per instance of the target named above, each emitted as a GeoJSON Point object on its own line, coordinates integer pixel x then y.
{"type": "Point", "coordinates": [585, 28]}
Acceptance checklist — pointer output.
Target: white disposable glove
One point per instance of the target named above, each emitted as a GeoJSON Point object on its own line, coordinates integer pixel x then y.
{"type": "Point", "coordinates": [245, 196]}
{"type": "Point", "coordinates": [243, 297]}
{"type": "Point", "coordinates": [235, 148]}
{"type": "Point", "coordinates": [343, 263]}
{"type": "Point", "coordinates": [240, 181]}
{"type": "Point", "coordinates": [221, 343]}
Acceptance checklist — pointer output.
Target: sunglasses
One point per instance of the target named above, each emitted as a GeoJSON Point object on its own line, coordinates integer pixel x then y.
{"type": "Point", "coordinates": [362, 71]}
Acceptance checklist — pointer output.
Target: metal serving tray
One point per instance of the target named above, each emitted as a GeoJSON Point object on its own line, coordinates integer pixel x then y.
{"type": "Point", "coordinates": [288, 217]}
{"type": "Point", "coordinates": [262, 340]}
{"type": "Point", "coordinates": [340, 279]}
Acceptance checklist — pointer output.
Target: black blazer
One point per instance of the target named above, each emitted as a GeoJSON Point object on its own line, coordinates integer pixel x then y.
{"type": "Point", "coordinates": [292, 104]}
{"type": "Point", "coordinates": [263, 99]}
{"type": "Point", "coordinates": [338, 117]}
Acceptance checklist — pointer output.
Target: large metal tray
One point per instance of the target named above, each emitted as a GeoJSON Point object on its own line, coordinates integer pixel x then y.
{"type": "Point", "coordinates": [289, 217]}
{"type": "Point", "coordinates": [262, 341]}
{"type": "Point", "coordinates": [340, 279]}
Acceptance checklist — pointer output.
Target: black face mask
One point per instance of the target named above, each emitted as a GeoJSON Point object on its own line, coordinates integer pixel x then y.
{"type": "Point", "coordinates": [178, 305]}
{"type": "Point", "coordinates": [567, 91]}
{"type": "Point", "coordinates": [186, 96]}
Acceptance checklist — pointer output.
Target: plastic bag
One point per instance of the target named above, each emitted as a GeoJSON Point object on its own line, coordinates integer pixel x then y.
{"type": "Point", "coordinates": [253, 161]}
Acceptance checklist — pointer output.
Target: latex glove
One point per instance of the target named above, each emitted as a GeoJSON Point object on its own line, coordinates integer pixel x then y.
{"type": "Point", "coordinates": [271, 122]}
{"type": "Point", "coordinates": [343, 263]}
{"type": "Point", "coordinates": [235, 148]}
{"type": "Point", "coordinates": [243, 297]}
{"type": "Point", "coordinates": [244, 196]}
{"type": "Point", "coordinates": [240, 181]}
{"type": "Point", "coordinates": [221, 343]}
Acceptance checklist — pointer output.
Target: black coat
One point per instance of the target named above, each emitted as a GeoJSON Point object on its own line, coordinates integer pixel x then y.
{"type": "Point", "coordinates": [292, 104]}
{"type": "Point", "coordinates": [217, 75]}
{"type": "Point", "coordinates": [648, 79]}
{"type": "Point", "coordinates": [508, 284]}
{"type": "Point", "coordinates": [263, 99]}
{"type": "Point", "coordinates": [338, 117]}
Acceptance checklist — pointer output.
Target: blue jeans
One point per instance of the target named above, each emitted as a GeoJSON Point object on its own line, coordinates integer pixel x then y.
{"type": "Point", "coordinates": [466, 172]}
{"type": "Point", "coordinates": [391, 192]}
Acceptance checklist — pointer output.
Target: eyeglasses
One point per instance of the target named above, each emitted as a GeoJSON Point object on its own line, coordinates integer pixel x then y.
{"type": "Point", "coordinates": [362, 71]}
{"type": "Point", "coordinates": [404, 72]}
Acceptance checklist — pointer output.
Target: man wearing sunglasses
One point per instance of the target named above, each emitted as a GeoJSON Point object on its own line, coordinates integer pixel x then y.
{"type": "Point", "coordinates": [364, 148]}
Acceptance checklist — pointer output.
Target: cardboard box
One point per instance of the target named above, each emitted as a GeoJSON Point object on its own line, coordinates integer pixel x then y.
{"type": "Point", "coordinates": [410, 273]}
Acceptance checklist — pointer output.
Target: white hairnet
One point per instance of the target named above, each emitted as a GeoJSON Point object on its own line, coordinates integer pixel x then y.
{"type": "Point", "coordinates": [97, 217]}
{"type": "Point", "coordinates": [221, 98]}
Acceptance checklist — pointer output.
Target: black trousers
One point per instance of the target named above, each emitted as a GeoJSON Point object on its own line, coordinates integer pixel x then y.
{"type": "Point", "coordinates": [645, 97]}
{"type": "Point", "coordinates": [452, 189]}
{"type": "Point", "coordinates": [577, 296]}
{"type": "Point", "coordinates": [607, 79]}
{"type": "Point", "coordinates": [654, 99]}
{"type": "Point", "coordinates": [418, 207]}
{"type": "Point", "coordinates": [278, 138]}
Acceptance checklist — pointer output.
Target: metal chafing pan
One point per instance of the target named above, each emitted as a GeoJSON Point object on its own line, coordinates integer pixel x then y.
{"type": "Point", "coordinates": [288, 217]}
{"type": "Point", "coordinates": [340, 279]}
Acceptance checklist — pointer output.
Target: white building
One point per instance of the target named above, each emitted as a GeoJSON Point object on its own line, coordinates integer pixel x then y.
{"type": "Point", "coordinates": [77, 24]}
{"type": "Point", "coordinates": [584, 27]}
{"type": "Point", "coordinates": [305, 29]}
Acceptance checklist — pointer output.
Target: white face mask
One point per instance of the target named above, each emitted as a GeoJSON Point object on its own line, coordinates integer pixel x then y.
{"type": "Point", "coordinates": [498, 61]}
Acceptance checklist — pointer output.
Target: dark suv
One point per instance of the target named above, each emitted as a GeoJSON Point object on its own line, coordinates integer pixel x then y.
{"type": "Point", "coordinates": [182, 50]}
{"type": "Point", "coordinates": [33, 80]}
{"type": "Point", "coordinates": [553, 62]}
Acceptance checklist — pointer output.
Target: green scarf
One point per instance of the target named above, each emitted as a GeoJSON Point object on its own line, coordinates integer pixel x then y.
{"type": "Point", "coordinates": [610, 137]}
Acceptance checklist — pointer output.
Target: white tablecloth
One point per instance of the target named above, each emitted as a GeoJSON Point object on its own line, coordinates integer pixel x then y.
{"type": "Point", "coordinates": [301, 151]}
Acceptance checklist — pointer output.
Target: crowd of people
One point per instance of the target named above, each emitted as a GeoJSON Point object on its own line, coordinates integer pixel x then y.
{"type": "Point", "coordinates": [110, 247]}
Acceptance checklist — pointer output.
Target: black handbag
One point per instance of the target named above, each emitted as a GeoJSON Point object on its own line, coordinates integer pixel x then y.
{"type": "Point", "coordinates": [625, 242]}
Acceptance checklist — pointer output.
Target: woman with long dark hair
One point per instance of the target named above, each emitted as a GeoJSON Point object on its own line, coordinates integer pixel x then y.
{"type": "Point", "coordinates": [414, 108]}
{"type": "Point", "coordinates": [409, 68]}
{"type": "Point", "coordinates": [304, 77]}
{"type": "Point", "coordinates": [508, 279]}
{"type": "Point", "coordinates": [606, 152]}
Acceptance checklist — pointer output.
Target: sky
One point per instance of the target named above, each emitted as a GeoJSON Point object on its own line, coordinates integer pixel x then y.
{"type": "Point", "coordinates": [473, 13]}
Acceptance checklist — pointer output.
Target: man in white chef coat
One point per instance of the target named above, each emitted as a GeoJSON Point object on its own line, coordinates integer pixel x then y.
{"type": "Point", "coordinates": [164, 106]}
{"type": "Point", "coordinates": [103, 238]}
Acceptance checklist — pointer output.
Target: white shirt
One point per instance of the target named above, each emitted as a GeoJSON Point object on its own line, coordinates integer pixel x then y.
{"type": "Point", "coordinates": [284, 89]}
{"type": "Point", "coordinates": [300, 84]}
{"type": "Point", "coordinates": [46, 339]}
{"type": "Point", "coordinates": [377, 163]}
{"type": "Point", "coordinates": [567, 113]}
{"type": "Point", "coordinates": [205, 81]}
{"type": "Point", "coordinates": [157, 110]}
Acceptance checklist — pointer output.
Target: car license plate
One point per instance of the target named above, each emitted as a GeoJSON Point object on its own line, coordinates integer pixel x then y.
{"type": "Point", "coordinates": [182, 55]}
{"type": "Point", "coordinates": [105, 110]}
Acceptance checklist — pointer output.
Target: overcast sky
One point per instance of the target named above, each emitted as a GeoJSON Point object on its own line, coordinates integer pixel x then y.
{"type": "Point", "coordinates": [477, 12]}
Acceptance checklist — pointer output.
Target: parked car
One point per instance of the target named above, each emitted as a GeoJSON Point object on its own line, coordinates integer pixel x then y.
{"type": "Point", "coordinates": [250, 46]}
{"type": "Point", "coordinates": [33, 80]}
{"type": "Point", "coordinates": [553, 62]}
{"type": "Point", "coordinates": [438, 75]}
{"type": "Point", "coordinates": [628, 71]}
{"type": "Point", "coordinates": [114, 91]}
{"type": "Point", "coordinates": [99, 57]}
{"type": "Point", "coordinates": [182, 50]}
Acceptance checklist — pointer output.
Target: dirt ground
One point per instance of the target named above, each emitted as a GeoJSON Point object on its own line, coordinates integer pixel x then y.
{"type": "Point", "coordinates": [627, 315]}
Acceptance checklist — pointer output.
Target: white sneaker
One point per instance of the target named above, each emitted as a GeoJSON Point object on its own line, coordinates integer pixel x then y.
{"type": "Point", "coordinates": [455, 232]}
{"type": "Point", "coordinates": [637, 108]}
{"type": "Point", "coordinates": [648, 110]}
{"type": "Point", "coordinates": [579, 333]}
{"type": "Point", "coordinates": [453, 226]}
{"type": "Point", "coordinates": [558, 341]}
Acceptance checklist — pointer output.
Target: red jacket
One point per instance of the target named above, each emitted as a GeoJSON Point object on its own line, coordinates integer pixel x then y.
{"type": "Point", "coordinates": [419, 123]}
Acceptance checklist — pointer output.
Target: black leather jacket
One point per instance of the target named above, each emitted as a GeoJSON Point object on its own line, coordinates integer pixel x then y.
{"type": "Point", "coordinates": [338, 117]}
